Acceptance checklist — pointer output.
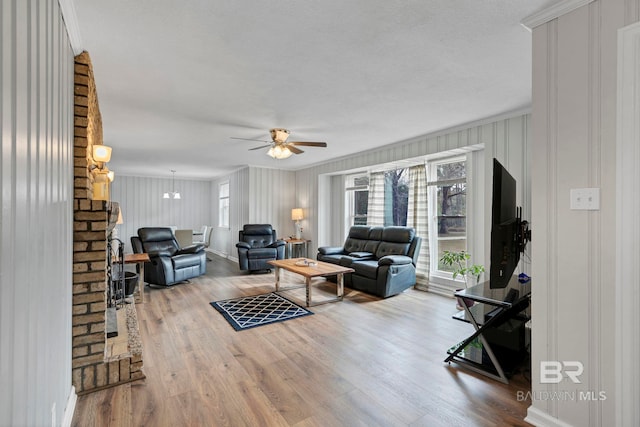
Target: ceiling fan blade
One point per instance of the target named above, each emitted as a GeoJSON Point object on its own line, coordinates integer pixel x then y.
{"type": "Point", "coordinates": [248, 139]}
{"type": "Point", "coordinates": [294, 150]}
{"type": "Point", "coordinates": [309, 144]}
{"type": "Point", "coordinates": [260, 148]}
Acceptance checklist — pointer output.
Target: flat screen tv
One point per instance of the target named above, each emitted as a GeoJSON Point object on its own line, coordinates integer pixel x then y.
{"type": "Point", "coordinates": [508, 231]}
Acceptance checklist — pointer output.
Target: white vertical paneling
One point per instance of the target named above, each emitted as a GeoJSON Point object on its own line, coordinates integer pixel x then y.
{"type": "Point", "coordinates": [573, 300]}
{"type": "Point", "coordinates": [272, 195]}
{"type": "Point", "coordinates": [142, 204]}
{"type": "Point", "coordinates": [36, 121]}
{"type": "Point", "coordinates": [627, 344]}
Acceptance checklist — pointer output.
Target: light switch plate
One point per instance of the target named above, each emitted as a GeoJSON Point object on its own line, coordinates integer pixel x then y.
{"type": "Point", "coordinates": [585, 199]}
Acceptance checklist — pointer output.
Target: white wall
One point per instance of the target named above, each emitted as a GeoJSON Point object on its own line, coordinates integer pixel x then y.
{"type": "Point", "coordinates": [574, 134]}
{"type": "Point", "coordinates": [36, 170]}
{"type": "Point", "coordinates": [142, 204]}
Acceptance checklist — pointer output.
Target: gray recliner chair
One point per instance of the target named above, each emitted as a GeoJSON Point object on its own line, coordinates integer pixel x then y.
{"type": "Point", "coordinates": [258, 244]}
{"type": "Point", "coordinates": [169, 263]}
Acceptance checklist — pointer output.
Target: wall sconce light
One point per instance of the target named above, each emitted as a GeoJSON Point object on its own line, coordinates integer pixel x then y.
{"type": "Point", "coordinates": [101, 154]}
{"type": "Point", "coordinates": [296, 215]}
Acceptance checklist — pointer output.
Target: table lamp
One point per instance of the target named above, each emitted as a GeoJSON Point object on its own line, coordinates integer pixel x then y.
{"type": "Point", "coordinates": [296, 215]}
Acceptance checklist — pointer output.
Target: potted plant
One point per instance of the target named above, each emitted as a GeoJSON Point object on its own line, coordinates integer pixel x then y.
{"type": "Point", "coordinates": [459, 262]}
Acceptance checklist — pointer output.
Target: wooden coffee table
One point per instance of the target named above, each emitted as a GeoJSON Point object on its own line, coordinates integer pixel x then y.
{"type": "Point", "coordinates": [317, 269]}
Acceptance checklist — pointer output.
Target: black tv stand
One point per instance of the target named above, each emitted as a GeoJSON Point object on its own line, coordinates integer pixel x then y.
{"type": "Point", "coordinates": [498, 343]}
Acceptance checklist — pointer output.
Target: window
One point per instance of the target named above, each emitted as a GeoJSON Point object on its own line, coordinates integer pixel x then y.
{"type": "Point", "coordinates": [396, 194]}
{"type": "Point", "coordinates": [223, 205]}
{"type": "Point", "coordinates": [357, 193]}
{"type": "Point", "coordinates": [447, 209]}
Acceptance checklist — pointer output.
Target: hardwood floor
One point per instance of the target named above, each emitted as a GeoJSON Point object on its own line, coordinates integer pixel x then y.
{"type": "Point", "coordinates": [360, 362]}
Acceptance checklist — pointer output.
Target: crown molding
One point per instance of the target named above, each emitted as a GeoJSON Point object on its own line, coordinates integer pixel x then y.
{"type": "Point", "coordinates": [71, 22]}
{"type": "Point", "coordinates": [557, 10]}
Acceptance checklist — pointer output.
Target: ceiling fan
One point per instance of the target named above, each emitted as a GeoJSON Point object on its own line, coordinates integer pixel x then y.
{"type": "Point", "coordinates": [279, 148]}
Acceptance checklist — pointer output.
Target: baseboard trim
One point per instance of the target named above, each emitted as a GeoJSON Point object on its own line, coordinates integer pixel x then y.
{"type": "Point", "coordinates": [70, 408]}
{"type": "Point", "coordinates": [541, 419]}
{"type": "Point", "coordinates": [219, 253]}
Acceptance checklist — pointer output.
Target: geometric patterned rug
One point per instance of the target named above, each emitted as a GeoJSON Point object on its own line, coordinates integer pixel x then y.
{"type": "Point", "coordinates": [249, 312]}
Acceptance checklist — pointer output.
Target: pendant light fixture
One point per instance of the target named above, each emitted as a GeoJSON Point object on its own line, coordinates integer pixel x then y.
{"type": "Point", "coordinates": [173, 194]}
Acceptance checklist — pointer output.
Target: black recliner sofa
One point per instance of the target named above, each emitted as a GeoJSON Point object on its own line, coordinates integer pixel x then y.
{"type": "Point", "coordinates": [384, 258]}
{"type": "Point", "coordinates": [169, 263]}
{"type": "Point", "coordinates": [258, 244]}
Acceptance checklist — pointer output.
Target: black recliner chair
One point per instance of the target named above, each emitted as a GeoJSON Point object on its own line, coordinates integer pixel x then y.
{"type": "Point", "coordinates": [258, 244]}
{"type": "Point", "coordinates": [169, 263]}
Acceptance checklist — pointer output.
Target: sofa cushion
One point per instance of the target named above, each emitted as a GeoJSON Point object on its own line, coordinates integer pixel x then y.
{"type": "Point", "coordinates": [332, 258]}
{"type": "Point", "coordinates": [354, 245]}
{"type": "Point", "coordinates": [371, 246]}
{"type": "Point", "coordinates": [359, 232]}
{"type": "Point", "coordinates": [184, 261]}
{"type": "Point", "coordinates": [259, 241]}
{"type": "Point", "coordinates": [388, 248]}
{"type": "Point", "coordinates": [164, 248]}
{"type": "Point", "coordinates": [259, 253]}
{"type": "Point", "coordinates": [191, 249]}
{"type": "Point", "coordinates": [331, 250]}
{"type": "Point", "coordinates": [361, 255]}
{"type": "Point", "coordinates": [394, 260]}
{"type": "Point", "coordinates": [398, 234]}
{"type": "Point", "coordinates": [375, 233]}
{"type": "Point", "coordinates": [368, 268]}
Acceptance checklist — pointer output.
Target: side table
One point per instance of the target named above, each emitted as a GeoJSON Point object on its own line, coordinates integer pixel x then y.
{"type": "Point", "coordinates": [301, 248]}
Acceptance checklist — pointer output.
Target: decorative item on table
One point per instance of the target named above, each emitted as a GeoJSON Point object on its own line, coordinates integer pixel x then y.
{"type": "Point", "coordinates": [306, 263]}
{"type": "Point", "coordinates": [296, 215]}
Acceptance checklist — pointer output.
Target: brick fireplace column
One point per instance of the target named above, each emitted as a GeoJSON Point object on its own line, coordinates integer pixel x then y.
{"type": "Point", "coordinates": [91, 370]}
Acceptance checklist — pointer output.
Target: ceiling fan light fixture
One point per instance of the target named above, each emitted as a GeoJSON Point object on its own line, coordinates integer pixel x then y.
{"type": "Point", "coordinates": [279, 135]}
{"type": "Point", "coordinates": [279, 152]}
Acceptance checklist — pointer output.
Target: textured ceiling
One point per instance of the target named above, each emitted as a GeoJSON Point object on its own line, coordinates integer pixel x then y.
{"type": "Point", "coordinates": [177, 79]}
